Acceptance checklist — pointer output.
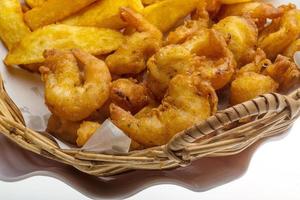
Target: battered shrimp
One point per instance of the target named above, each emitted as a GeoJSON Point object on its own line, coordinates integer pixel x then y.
{"type": "Point", "coordinates": [259, 11]}
{"type": "Point", "coordinates": [131, 57]}
{"type": "Point", "coordinates": [249, 83]}
{"type": "Point", "coordinates": [241, 34]}
{"type": "Point", "coordinates": [69, 95]}
{"type": "Point", "coordinates": [217, 63]}
{"type": "Point", "coordinates": [292, 49]}
{"type": "Point", "coordinates": [276, 37]}
{"type": "Point", "coordinates": [129, 95]}
{"type": "Point", "coordinates": [188, 101]}
{"type": "Point", "coordinates": [199, 20]}
{"type": "Point", "coordinates": [206, 54]}
{"type": "Point", "coordinates": [165, 64]}
{"type": "Point", "coordinates": [260, 62]}
{"type": "Point", "coordinates": [285, 72]}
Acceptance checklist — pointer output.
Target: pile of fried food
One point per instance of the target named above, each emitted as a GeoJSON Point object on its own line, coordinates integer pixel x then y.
{"type": "Point", "coordinates": [154, 67]}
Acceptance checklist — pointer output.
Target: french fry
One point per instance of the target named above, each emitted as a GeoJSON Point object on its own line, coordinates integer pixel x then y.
{"type": "Point", "coordinates": [12, 26]}
{"type": "Point", "coordinates": [34, 3]}
{"type": "Point", "coordinates": [165, 14]}
{"type": "Point", "coordinates": [94, 40]}
{"type": "Point", "coordinates": [104, 13]}
{"type": "Point", "coordinates": [52, 11]}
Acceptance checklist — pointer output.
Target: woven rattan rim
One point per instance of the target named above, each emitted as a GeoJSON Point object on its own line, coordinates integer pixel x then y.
{"type": "Point", "coordinates": [226, 133]}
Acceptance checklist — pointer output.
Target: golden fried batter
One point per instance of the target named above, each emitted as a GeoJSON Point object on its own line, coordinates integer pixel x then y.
{"type": "Point", "coordinates": [292, 49]}
{"type": "Point", "coordinates": [249, 82]}
{"type": "Point", "coordinates": [73, 132]}
{"type": "Point", "coordinates": [260, 62]}
{"type": "Point", "coordinates": [241, 34]}
{"type": "Point", "coordinates": [67, 94]}
{"type": "Point", "coordinates": [165, 64]}
{"type": "Point", "coordinates": [131, 57]}
{"type": "Point", "coordinates": [276, 37]}
{"type": "Point", "coordinates": [260, 11]}
{"type": "Point", "coordinates": [85, 131]}
{"type": "Point", "coordinates": [188, 101]}
{"type": "Point", "coordinates": [249, 85]}
{"type": "Point", "coordinates": [216, 63]}
{"type": "Point", "coordinates": [285, 72]}
{"type": "Point", "coordinates": [206, 54]}
{"type": "Point", "coordinates": [129, 95]}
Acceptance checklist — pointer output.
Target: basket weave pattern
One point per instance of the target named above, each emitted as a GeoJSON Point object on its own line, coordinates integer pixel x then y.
{"type": "Point", "coordinates": [228, 132]}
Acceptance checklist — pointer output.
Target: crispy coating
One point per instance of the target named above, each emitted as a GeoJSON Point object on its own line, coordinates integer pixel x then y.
{"type": "Point", "coordinates": [103, 13]}
{"type": "Point", "coordinates": [63, 129]}
{"type": "Point", "coordinates": [216, 63]}
{"type": "Point", "coordinates": [58, 36]}
{"type": "Point", "coordinates": [196, 55]}
{"type": "Point", "coordinates": [129, 95]}
{"type": "Point", "coordinates": [165, 64]}
{"type": "Point", "coordinates": [260, 62]}
{"type": "Point", "coordinates": [292, 49]}
{"type": "Point", "coordinates": [191, 26]}
{"type": "Point", "coordinates": [249, 85]}
{"type": "Point", "coordinates": [285, 72]}
{"type": "Point", "coordinates": [85, 131]}
{"type": "Point", "coordinates": [260, 11]}
{"type": "Point", "coordinates": [241, 34]}
{"type": "Point", "coordinates": [132, 55]}
{"type": "Point", "coordinates": [12, 26]}
{"type": "Point", "coordinates": [52, 11]}
{"type": "Point", "coordinates": [276, 37]}
{"type": "Point", "coordinates": [188, 101]}
{"type": "Point", "coordinates": [68, 94]}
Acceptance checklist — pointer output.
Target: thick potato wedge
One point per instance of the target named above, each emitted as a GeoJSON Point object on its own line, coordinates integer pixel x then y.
{"type": "Point", "coordinates": [104, 13]}
{"type": "Point", "coordinates": [165, 14]}
{"type": "Point", "coordinates": [12, 26]}
{"type": "Point", "coordinates": [91, 39]}
{"type": "Point", "coordinates": [52, 11]}
{"type": "Point", "coordinates": [34, 3]}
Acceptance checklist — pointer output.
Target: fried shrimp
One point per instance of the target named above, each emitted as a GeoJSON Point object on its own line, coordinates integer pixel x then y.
{"type": "Point", "coordinates": [249, 85]}
{"type": "Point", "coordinates": [259, 11]}
{"type": "Point", "coordinates": [191, 26]}
{"type": "Point", "coordinates": [216, 63]}
{"type": "Point", "coordinates": [132, 55]}
{"type": "Point", "coordinates": [285, 72]}
{"type": "Point", "coordinates": [241, 34]}
{"type": "Point", "coordinates": [206, 54]}
{"type": "Point", "coordinates": [167, 63]}
{"type": "Point", "coordinates": [276, 37]}
{"type": "Point", "coordinates": [68, 95]}
{"type": "Point", "coordinates": [188, 101]}
{"type": "Point", "coordinates": [249, 81]}
{"type": "Point", "coordinates": [129, 95]}
{"type": "Point", "coordinates": [292, 49]}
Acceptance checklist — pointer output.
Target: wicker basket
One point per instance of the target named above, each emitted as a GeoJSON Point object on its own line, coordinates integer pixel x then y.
{"type": "Point", "coordinates": [228, 132]}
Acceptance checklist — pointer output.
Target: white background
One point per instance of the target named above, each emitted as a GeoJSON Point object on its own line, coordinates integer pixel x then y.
{"type": "Point", "coordinates": [274, 173]}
